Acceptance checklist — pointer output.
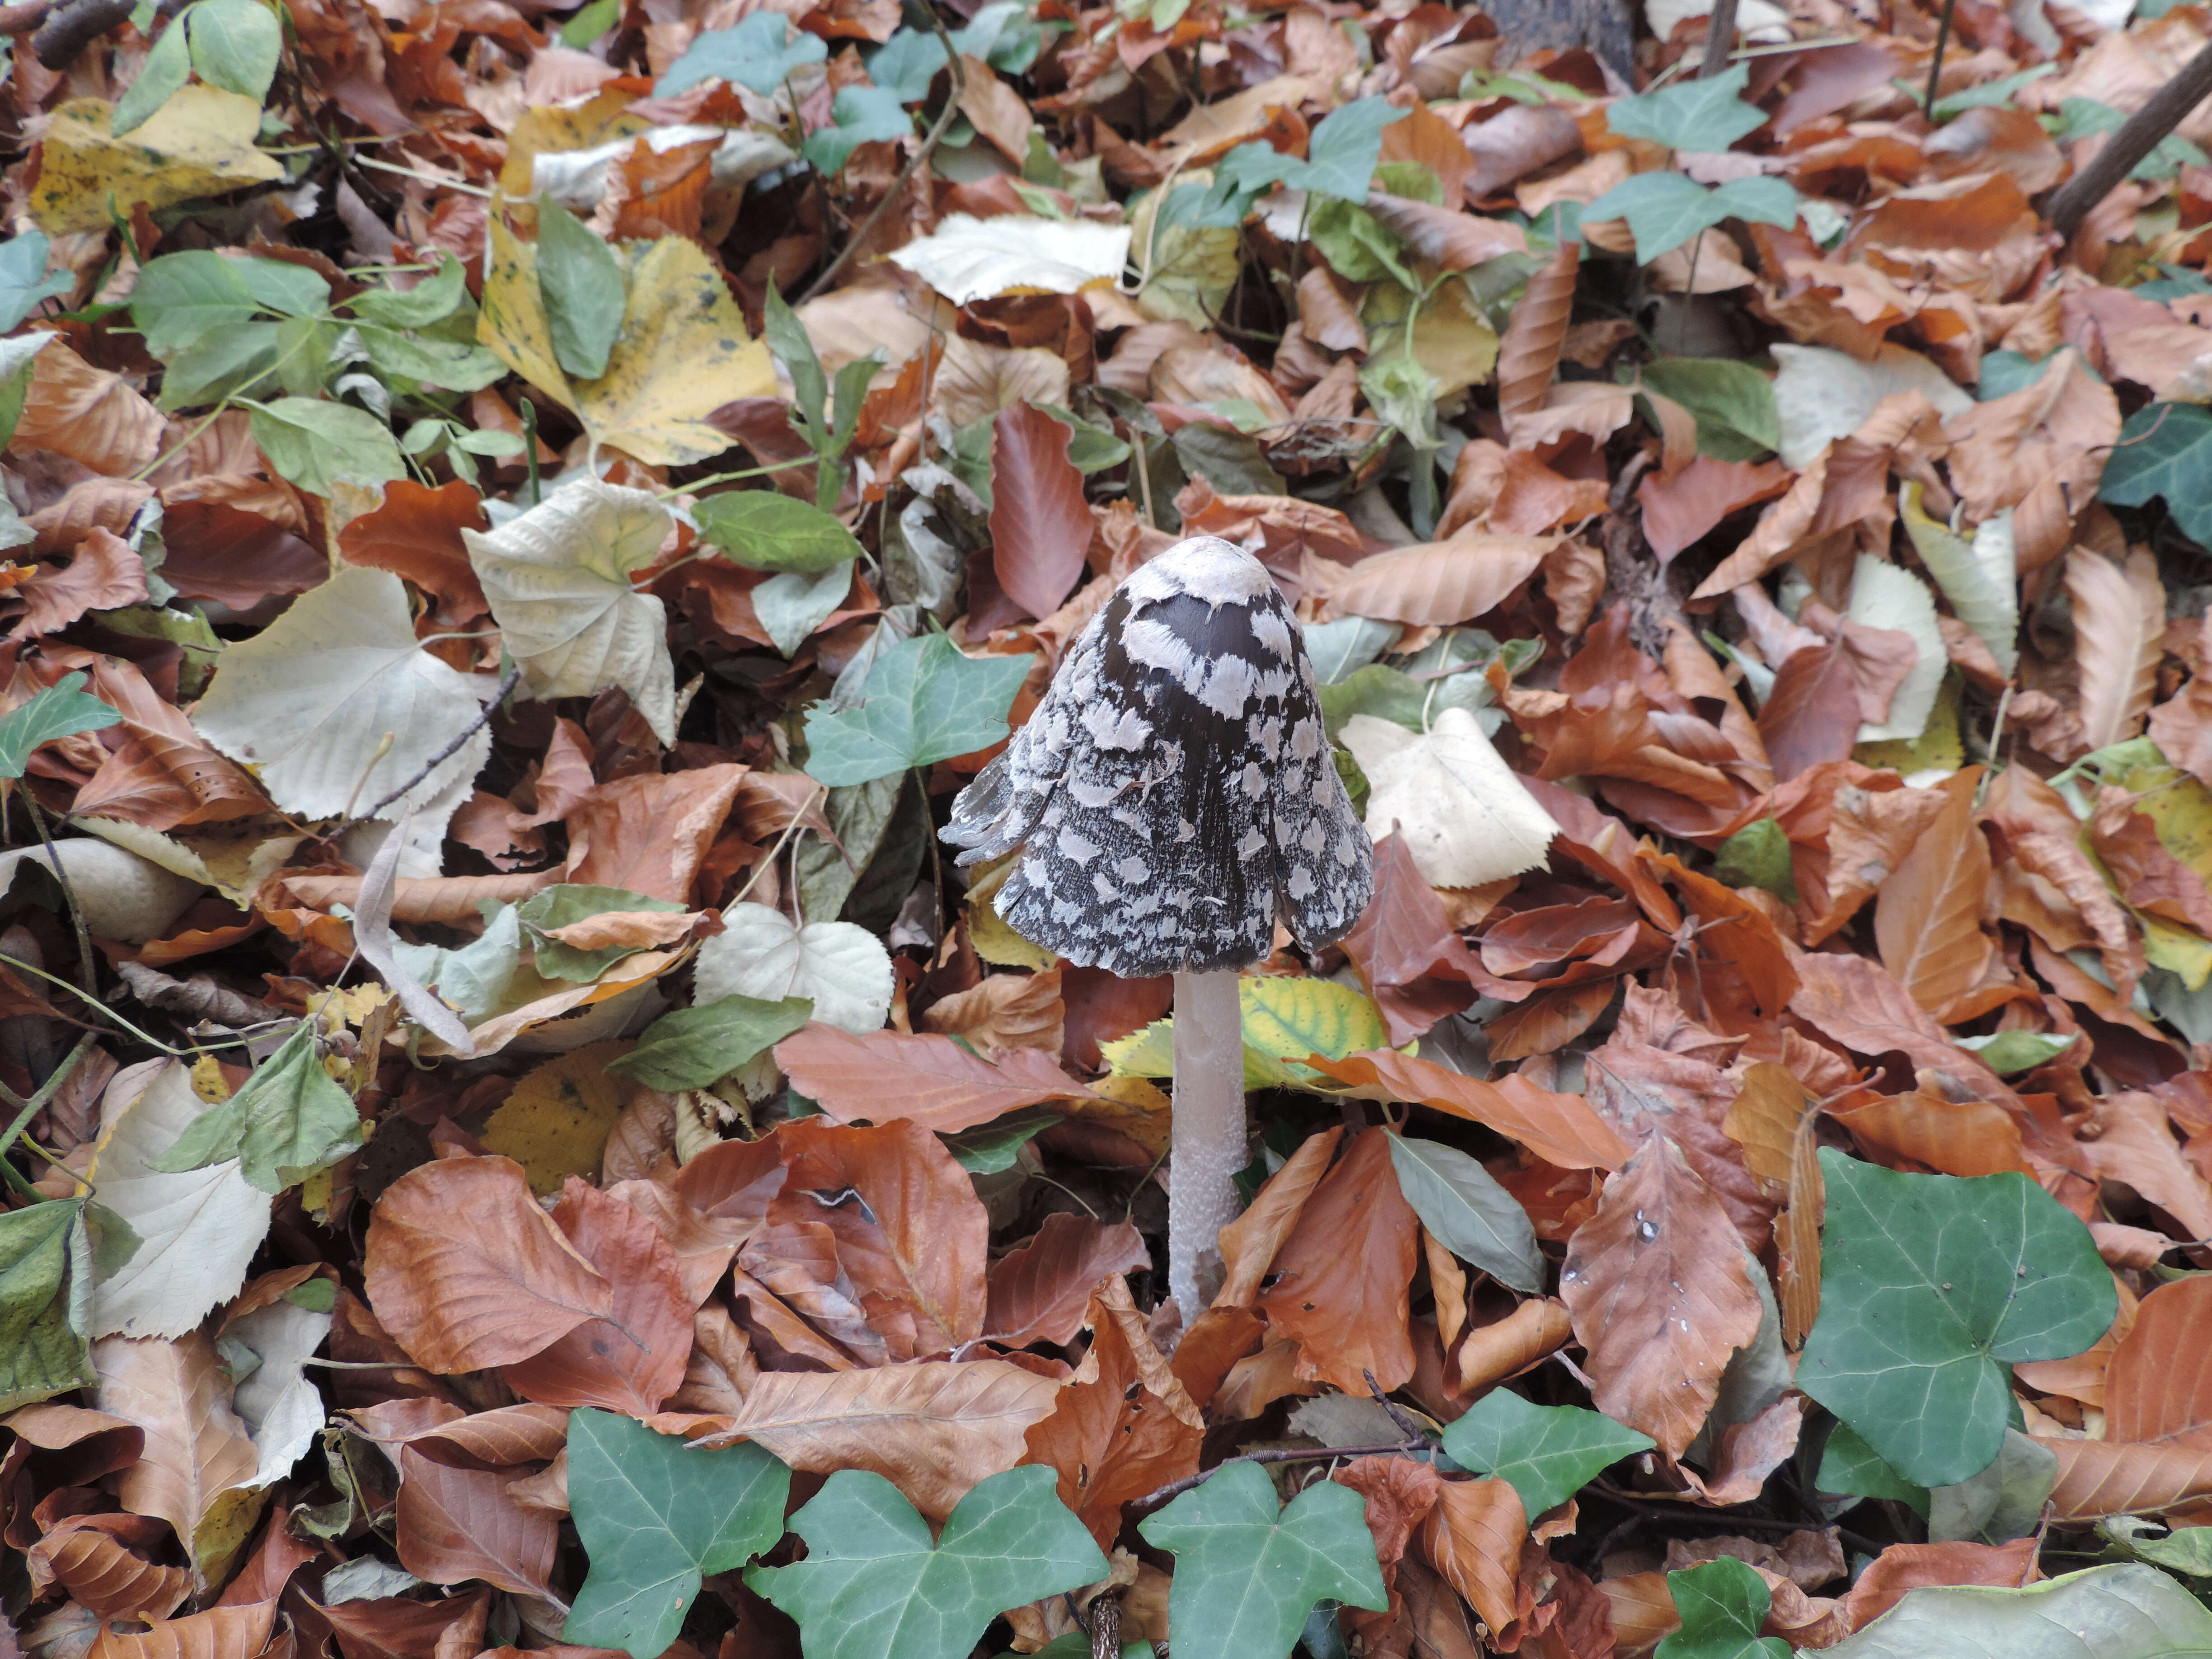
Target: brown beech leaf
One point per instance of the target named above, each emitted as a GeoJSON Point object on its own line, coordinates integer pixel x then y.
{"type": "Point", "coordinates": [1430, 584]}
{"type": "Point", "coordinates": [1812, 714]}
{"type": "Point", "coordinates": [1928, 915]}
{"type": "Point", "coordinates": [2128, 1139]}
{"type": "Point", "coordinates": [102, 573]}
{"type": "Point", "coordinates": [223, 1632]}
{"type": "Point", "coordinates": [197, 1448]}
{"type": "Point", "coordinates": [1040, 528]}
{"type": "Point", "coordinates": [1249, 1244]}
{"type": "Point", "coordinates": [1558, 1128]}
{"type": "Point", "coordinates": [647, 834]}
{"type": "Point", "coordinates": [416, 533]}
{"type": "Point", "coordinates": [1413, 962]}
{"type": "Point", "coordinates": [1343, 1281]}
{"type": "Point", "coordinates": [1960, 1138]}
{"type": "Point", "coordinates": [2120, 622]}
{"type": "Point", "coordinates": [1904, 1567]}
{"type": "Point", "coordinates": [1514, 143]}
{"type": "Point", "coordinates": [1529, 351]}
{"type": "Point", "coordinates": [1007, 1010]}
{"type": "Point", "coordinates": [632, 1359]}
{"type": "Point", "coordinates": [1123, 1426]}
{"type": "Point", "coordinates": [466, 1271]}
{"type": "Point", "coordinates": [103, 1562]}
{"type": "Point", "coordinates": [2158, 1414]}
{"type": "Point", "coordinates": [88, 414]}
{"type": "Point", "coordinates": [922, 1079]}
{"type": "Point", "coordinates": [1855, 1002]}
{"type": "Point", "coordinates": [458, 1524]}
{"type": "Point", "coordinates": [1039, 1291]}
{"type": "Point", "coordinates": [1681, 509]}
{"type": "Point", "coordinates": [1473, 1536]}
{"type": "Point", "coordinates": [1444, 236]}
{"type": "Point", "coordinates": [932, 1428]}
{"type": "Point", "coordinates": [1657, 1284]}
{"type": "Point", "coordinates": [1505, 1347]}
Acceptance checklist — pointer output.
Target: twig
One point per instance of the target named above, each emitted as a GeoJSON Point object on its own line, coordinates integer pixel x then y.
{"type": "Point", "coordinates": [1176, 1488]}
{"type": "Point", "coordinates": [69, 28]}
{"type": "Point", "coordinates": [1936, 63]}
{"type": "Point", "coordinates": [1720, 38]}
{"type": "Point", "coordinates": [27, 1109]}
{"type": "Point", "coordinates": [85, 970]}
{"type": "Point", "coordinates": [2137, 136]}
{"type": "Point", "coordinates": [942, 125]}
{"type": "Point", "coordinates": [507, 684]}
{"type": "Point", "coordinates": [1399, 1414]}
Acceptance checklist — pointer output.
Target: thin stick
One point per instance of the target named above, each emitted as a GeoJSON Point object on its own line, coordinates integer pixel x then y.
{"type": "Point", "coordinates": [45, 1092]}
{"type": "Point", "coordinates": [942, 125]}
{"type": "Point", "coordinates": [85, 970]}
{"type": "Point", "coordinates": [1935, 63]}
{"type": "Point", "coordinates": [507, 684]}
{"type": "Point", "coordinates": [1720, 38]}
{"type": "Point", "coordinates": [2141, 134]}
{"type": "Point", "coordinates": [1176, 1488]}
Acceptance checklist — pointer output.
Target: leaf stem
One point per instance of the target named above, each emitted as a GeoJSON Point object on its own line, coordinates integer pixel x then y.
{"type": "Point", "coordinates": [27, 1109]}
{"type": "Point", "coordinates": [1160, 1495]}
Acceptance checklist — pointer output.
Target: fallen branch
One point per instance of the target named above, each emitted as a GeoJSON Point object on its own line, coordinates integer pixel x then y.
{"type": "Point", "coordinates": [2141, 133]}
{"type": "Point", "coordinates": [1720, 38]}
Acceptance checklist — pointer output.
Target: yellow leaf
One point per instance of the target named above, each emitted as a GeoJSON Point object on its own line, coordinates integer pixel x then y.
{"type": "Point", "coordinates": [2180, 809]}
{"type": "Point", "coordinates": [1452, 339]}
{"type": "Point", "coordinates": [994, 941]}
{"type": "Point", "coordinates": [1286, 1019]}
{"type": "Point", "coordinates": [2181, 950]}
{"type": "Point", "coordinates": [683, 353]}
{"type": "Point", "coordinates": [1129, 1106]}
{"type": "Point", "coordinates": [208, 1081]}
{"type": "Point", "coordinates": [1937, 749]}
{"type": "Point", "coordinates": [543, 129]}
{"type": "Point", "coordinates": [199, 142]}
{"type": "Point", "coordinates": [1189, 269]}
{"type": "Point", "coordinates": [556, 1123]}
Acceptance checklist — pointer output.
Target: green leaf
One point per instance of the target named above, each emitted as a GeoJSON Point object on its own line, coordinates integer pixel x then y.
{"type": "Point", "coordinates": [1758, 855]}
{"type": "Point", "coordinates": [990, 1147]}
{"type": "Point", "coordinates": [1356, 245]}
{"type": "Point", "coordinates": [584, 284]}
{"type": "Point", "coordinates": [1928, 1285]}
{"type": "Point", "coordinates": [569, 902]}
{"type": "Point", "coordinates": [433, 300]}
{"type": "Point", "coordinates": [1548, 1453]}
{"type": "Point", "coordinates": [1708, 115]}
{"type": "Point", "coordinates": [590, 22]}
{"type": "Point", "coordinates": [793, 348]}
{"type": "Point", "coordinates": [1003, 35]}
{"type": "Point", "coordinates": [1977, 576]}
{"type": "Point", "coordinates": [654, 1515]}
{"type": "Point", "coordinates": [222, 363]}
{"type": "Point", "coordinates": [791, 606]}
{"type": "Point", "coordinates": [23, 279]}
{"type": "Point", "coordinates": [1341, 155]}
{"type": "Point", "coordinates": [1232, 462]}
{"type": "Point", "coordinates": [45, 1301]}
{"type": "Point", "coordinates": [1722, 1604]}
{"type": "Point", "coordinates": [1766, 200]}
{"type": "Point", "coordinates": [860, 115]}
{"type": "Point", "coordinates": [1248, 1572]}
{"type": "Point", "coordinates": [692, 1048]}
{"type": "Point", "coordinates": [2126, 1612]}
{"type": "Point", "coordinates": [2004, 1502]}
{"type": "Point", "coordinates": [2164, 449]}
{"type": "Point", "coordinates": [453, 364]}
{"type": "Point", "coordinates": [184, 299]}
{"type": "Point", "coordinates": [1666, 209]}
{"type": "Point", "coordinates": [1467, 1212]}
{"type": "Point", "coordinates": [768, 530]}
{"type": "Point", "coordinates": [873, 1586]}
{"type": "Point", "coordinates": [287, 1121]}
{"type": "Point", "coordinates": [1404, 394]}
{"type": "Point", "coordinates": [923, 702]}
{"type": "Point", "coordinates": [1992, 93]}
{"type": "Point", "coordinates": [168, 67]}
{"type": "Point", "coordinates": [1733, 403]}
{"type": "Point", "coordinates": [2010, 1053]}
{"type": "Point", "coordinates": [753, 53]}
{"type": "Point", "coordinates": [316, 445]}
{"type": "Point", "coordinates": [907, 64]}
{"type": "Point", "coordinates": [1851, 1469]}
{"type": "Point", "coordinates": [2186, 1550]}
{"type": "Point", "coordinates": [62, 710]}
{"type": "Point", "coordinates": [235, 46]}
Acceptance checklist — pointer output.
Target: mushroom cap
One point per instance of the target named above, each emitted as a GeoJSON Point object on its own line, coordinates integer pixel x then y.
{"type": "Point", "coordinates": [1174, 795]}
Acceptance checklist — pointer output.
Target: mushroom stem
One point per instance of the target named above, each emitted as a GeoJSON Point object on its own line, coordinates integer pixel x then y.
{"type": "Point", "coordinates": [1208, 1132]}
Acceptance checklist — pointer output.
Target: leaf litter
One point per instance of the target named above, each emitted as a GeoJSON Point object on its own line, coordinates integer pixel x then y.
{"type": "Point", "coordinates": [521, 1138]}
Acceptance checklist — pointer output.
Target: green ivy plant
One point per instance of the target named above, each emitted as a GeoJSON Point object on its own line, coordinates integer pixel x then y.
{"type": "Point", "coordinates": [1666, 209]}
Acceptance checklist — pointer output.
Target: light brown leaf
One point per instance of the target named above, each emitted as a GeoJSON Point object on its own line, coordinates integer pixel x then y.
{"type": "Point", "coordinates": [1007, 1010]}
{"type": "Point", "coordinates": [466, 1272]}
{"type": "Point", "coordinates": [91, 414]}
{"type": "Point", "coordinates": [1443, 235]}
{"type": "Point", "coordinates": [1430, 583]}
{"type": "Point", "coordinates": [1529, 351]}
{"type": "Point", "coordinates": [1039, 1291]}
{"type": "Point", "coordinates": [101, 1561]}
{"type": "Point", "coordinates": [1958, 1138]}
{"type": "Point", "coordinates": [1040, 528]}
{"type": "Point", "coordinates": [930, 1427]}
{"type": "Point", "coordinates": [1558, 1128]}
{"type": "Point", "coordinates": [416, 533]}
{"type": "Point", "coordinates": [103, 574]}
{"type": "Point", "coordinates": [1123, 1426]}
{"type": "Point", "coordinates": [458, 1524]}
{"type": "Point", "coordinates": [1928, 915]}
{"type": "Point", "coordinates": [1904, 1567]}
{"type": "Point", "coordinates": [1491, 1353]}
{"type": "Point", "coordinates": [2119, 624]}
{"type": "Point", "coordinates": [1473, 1536]}
{"type": "Point", "coordinates": [889, 1075]}
{"type": "Point", "coordinates": [647, 834]}
{"type": "Point", "coordinates": [230, 1632]}
{"type": "Point", "coordinates": [1343, 1281]}
{"type": "Point", "coordinates": [2128, 1139]}
{"type": "Point", "coordinates": [197, 1449]}
{"type": "Point", "coordinates": [1656, 1284]}
{"type": "Point", "coordinates": [1249, 1244]}
{"type": "Point", "coordinates": [1763, 1120]}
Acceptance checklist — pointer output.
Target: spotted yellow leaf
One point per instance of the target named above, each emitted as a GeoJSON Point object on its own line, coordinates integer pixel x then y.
{"type": "Point", "coordinates": [199, 142]}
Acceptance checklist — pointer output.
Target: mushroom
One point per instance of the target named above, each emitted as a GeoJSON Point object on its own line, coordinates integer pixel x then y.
{"type": "Point", "coordinates": [1172, 799]}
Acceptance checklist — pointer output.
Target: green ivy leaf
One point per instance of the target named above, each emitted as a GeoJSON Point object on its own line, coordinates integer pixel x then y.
{"type": "Point", "coordinates": [46, 1290]}
{"type": "Point", "coordinates": [585, 287]}
{"type": "Point", "coordinates": [1851, 1469]}
{"type": "Point", "coordinates": [791, 606]}
{"type": "Point", "coordinates": [655, 1516]}
{"type": "Point", "coordinates": [1666, 209]}
{"type": "Point", "coordinates": [1733, 402]}
{"type": "Point", "coordinates": [871, 1584]}
{"type": "Point", "coordinates": [907, 64]}
{"type": "Point", "coordinates": [1546, 1453]}
{"type": "Point", "coordinates": [568, 903]}
{"type": "Point", "coordinates": [286, 1121]}
{"type": "Point", "coordinates": [860, 115]}
{"type": "Point", "coordinates": [2128, 1612]}
{"type": "Point", "coordinates": [1708, 115]}
{"type": "Point", "coordinates": [768, 530]}
{"type": "Point", "coordinates": [753, 53]}
{"type": "Point", "coordinates": [23, 279]}
{"type": "Point", "coordinates": [168, 67]}
{"type": "Point", "coordinates": [315, 445]}
{"type": "Point", "coordinates": [1467, 1212]}
{"type": "Point", "coordinates": [692, 1048]}
{"type": "Point", "coordinates": [1722, 1604]}
{"type": "Point", "coordinates": [990, 1147]}
{"type": "Point", "coordinates": [923, 702]}
{"type": "Point", "coordinates": [1758, 855]}
{"type": "Point", "coordinates": [2165, 450]}
{"type": "Point", "coordinates": [62, 710]}
{"type": "Point", "coordinates": [1928, 1285]}
{"type": "Point", "coordinates": [235, 46]}
{"type": "Point", "coordinates": [1247, 1571]}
